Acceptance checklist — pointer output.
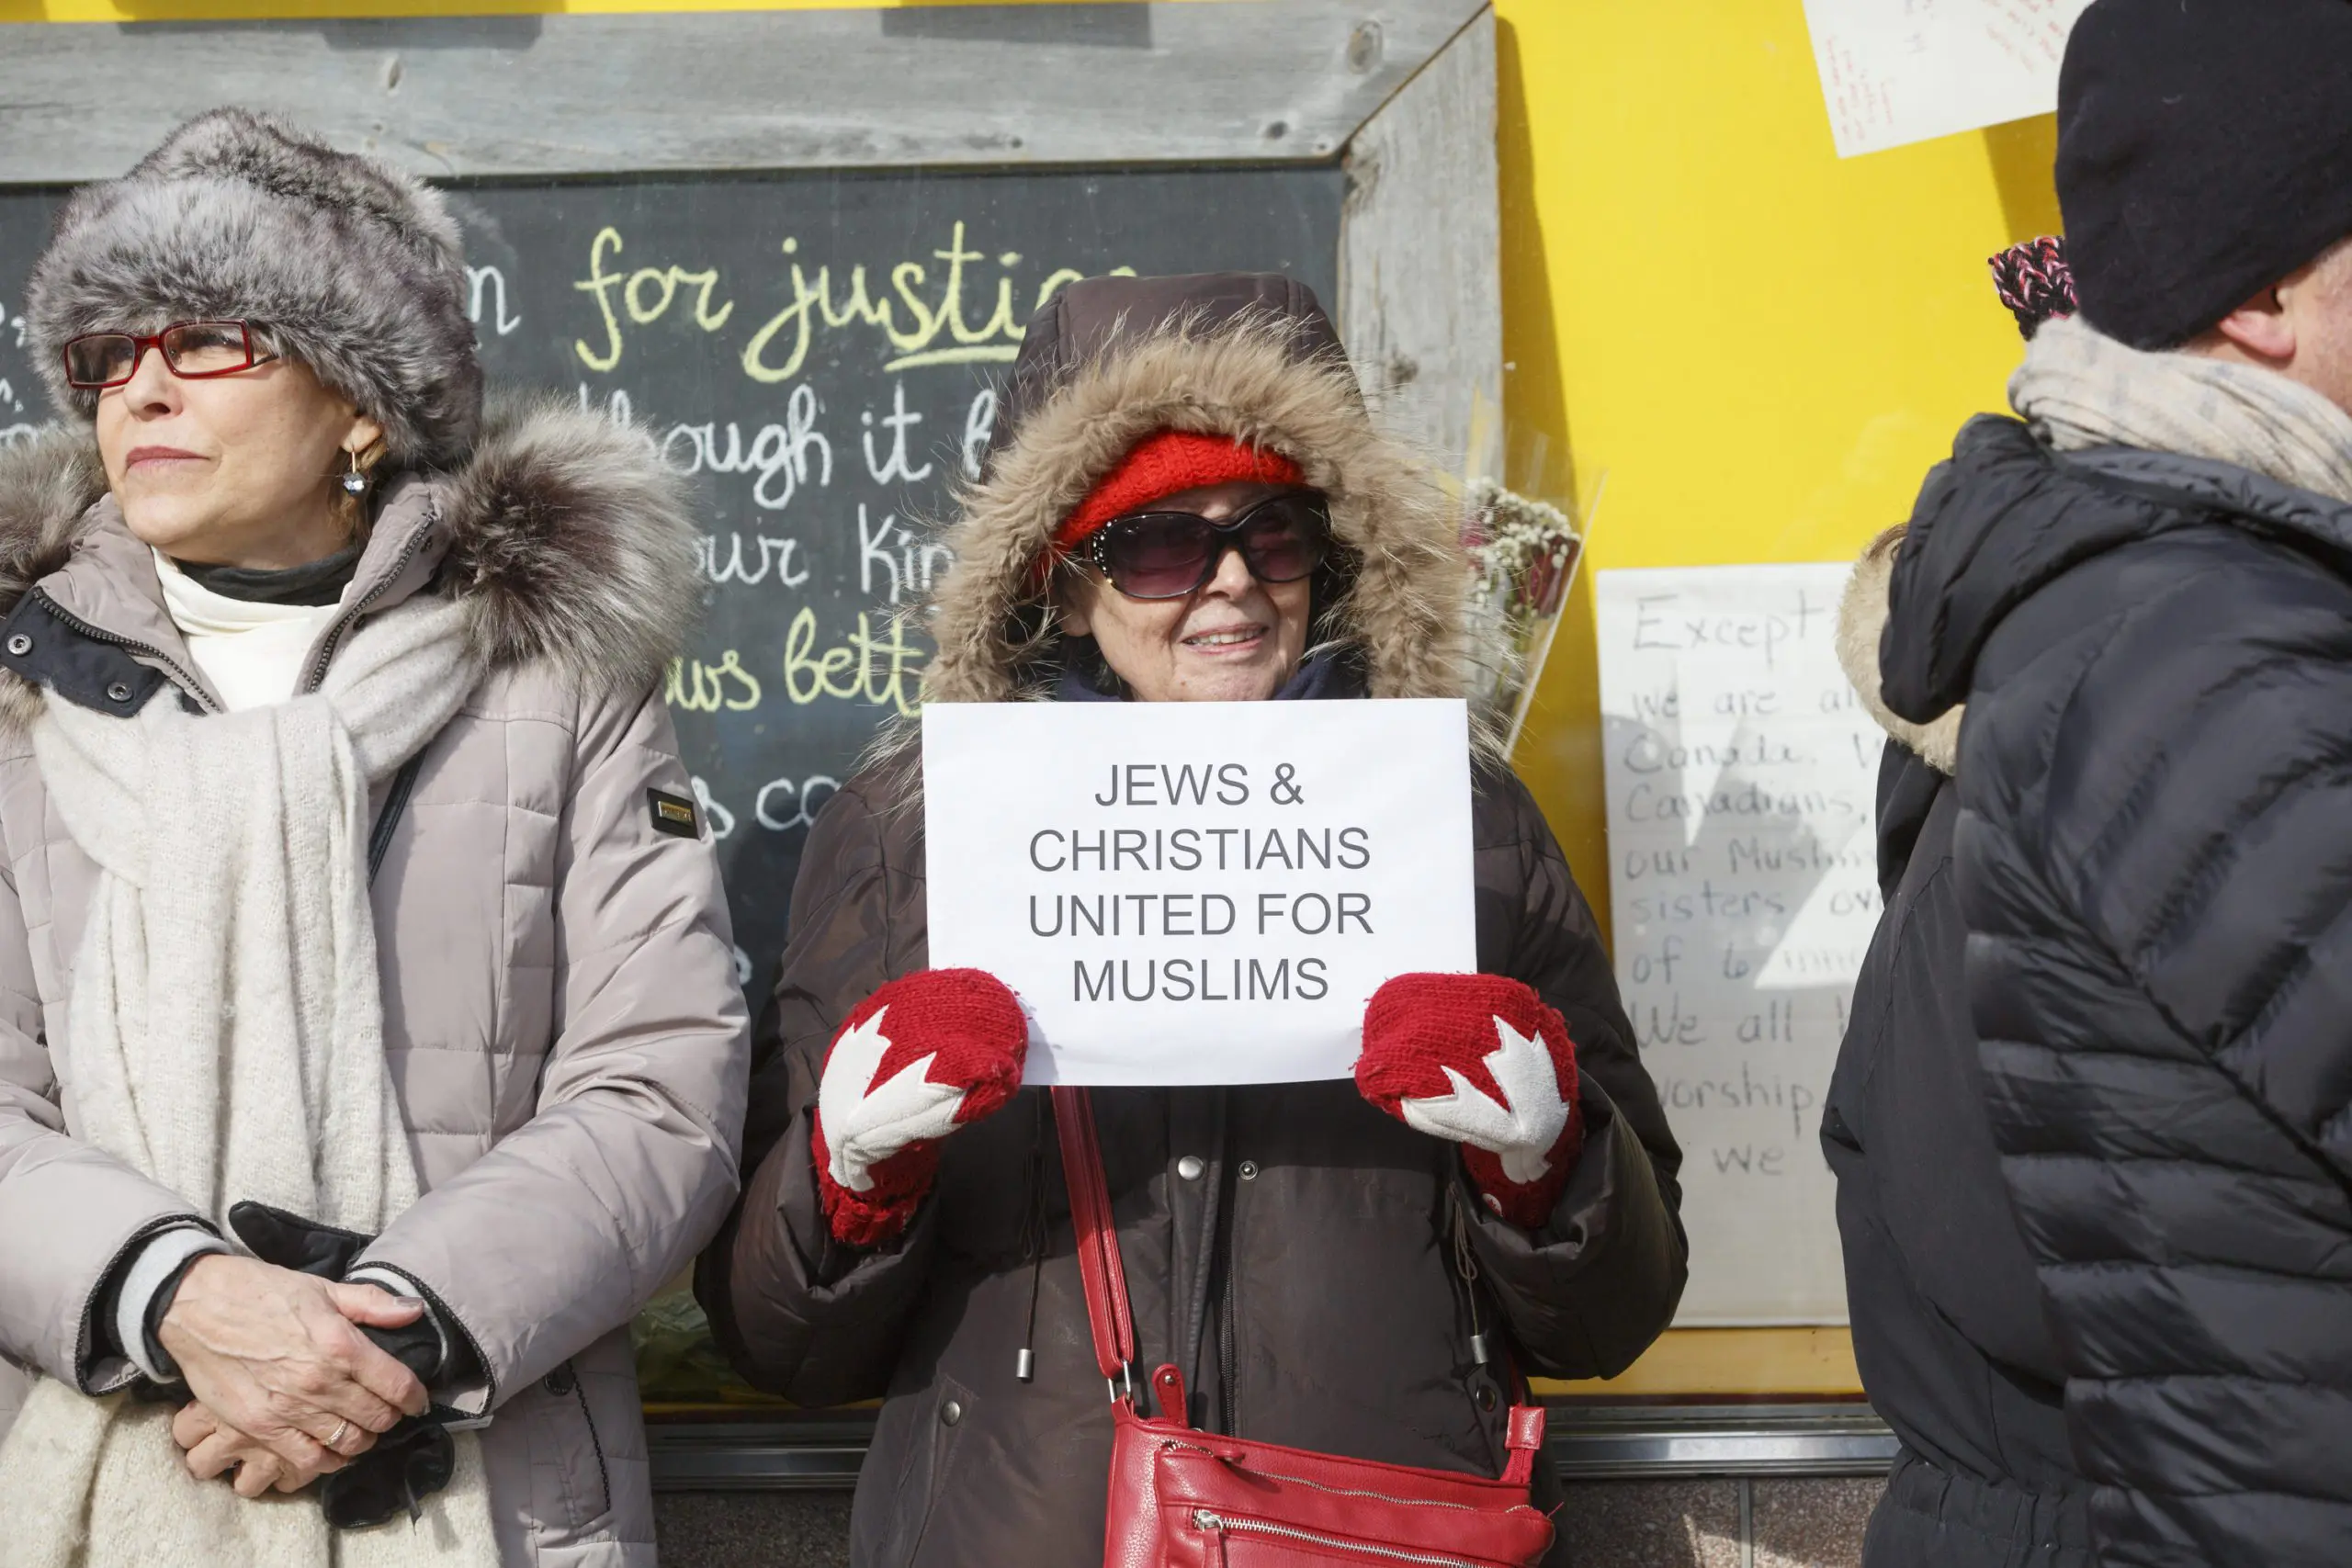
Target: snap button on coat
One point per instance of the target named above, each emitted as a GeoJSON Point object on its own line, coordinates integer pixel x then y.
{"type": "Point", "coordinates": [950, 1413]}
{"type": "Point", "coordinates": [1189, 1167]}
{"type": "Point", "coordinates": [21, 644]}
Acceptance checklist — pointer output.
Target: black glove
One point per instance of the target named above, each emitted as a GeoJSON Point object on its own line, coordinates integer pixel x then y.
{"type": "Point", "coordinates": [416, 1458]}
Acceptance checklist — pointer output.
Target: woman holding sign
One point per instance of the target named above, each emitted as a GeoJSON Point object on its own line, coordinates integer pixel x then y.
{"type": "Point", "coordinates": [1186, 501]}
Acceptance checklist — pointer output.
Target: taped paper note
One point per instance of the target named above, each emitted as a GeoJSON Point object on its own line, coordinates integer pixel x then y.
{"type": "Point", "coordinates": [1902, 71]}
{"type": "Point", "coordinates": [1742, 789]}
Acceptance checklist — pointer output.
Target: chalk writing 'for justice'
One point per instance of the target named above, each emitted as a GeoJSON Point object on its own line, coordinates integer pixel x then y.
{"type": "Point", "coordinates": [921, 331]}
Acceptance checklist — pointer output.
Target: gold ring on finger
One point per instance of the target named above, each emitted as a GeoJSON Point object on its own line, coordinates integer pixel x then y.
{"type": "Point", "coordinates": [342, 1428]}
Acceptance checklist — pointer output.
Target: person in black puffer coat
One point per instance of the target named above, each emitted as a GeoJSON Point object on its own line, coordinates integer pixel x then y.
{"type": "Point", "coordinates": [1946, 1315]}
{"type": "Point", "coordinates": [2143, 595]}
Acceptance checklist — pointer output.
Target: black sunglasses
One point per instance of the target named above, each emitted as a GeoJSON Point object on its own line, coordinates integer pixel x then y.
{"type": "Point", "coordinates": [1167, 555]}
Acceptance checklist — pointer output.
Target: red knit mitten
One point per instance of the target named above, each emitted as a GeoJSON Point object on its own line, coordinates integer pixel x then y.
{"type": "Point", "coordinates": [1480, 1060]}
{"type": "Point", "coordinates": [918, 1058]}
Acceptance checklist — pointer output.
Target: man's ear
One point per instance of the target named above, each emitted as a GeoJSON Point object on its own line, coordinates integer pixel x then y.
{"type": "Point", "coordinates": [2261, 327]}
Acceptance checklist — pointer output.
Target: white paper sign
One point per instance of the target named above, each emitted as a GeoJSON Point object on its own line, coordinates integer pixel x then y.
{"type": "Point", "coordinates": [1197, 893]}
{"type": "Point", "coordinates": [1742, 774]}
{"type": "Point", "coordinates": [1900, 71]}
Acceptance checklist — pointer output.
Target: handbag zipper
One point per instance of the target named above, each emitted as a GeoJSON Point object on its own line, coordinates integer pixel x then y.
{"type": "Point", "coordinates": [1326, 1491]}
{"type": "Point", "coordinates": [1217, 1524]}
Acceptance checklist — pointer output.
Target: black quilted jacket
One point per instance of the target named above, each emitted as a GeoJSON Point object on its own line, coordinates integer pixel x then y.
{"type": "Point", "coordinates": [2153, 858]}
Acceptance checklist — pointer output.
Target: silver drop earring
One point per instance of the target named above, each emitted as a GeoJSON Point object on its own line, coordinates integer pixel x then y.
{"type": "Point", "coordinates": [354, 482]}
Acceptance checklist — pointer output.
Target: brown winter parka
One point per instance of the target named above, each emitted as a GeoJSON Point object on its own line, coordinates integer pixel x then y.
{"type": "Point", "coordinates": [1292, 1249]}
{"type": "Point", "coordinates": [561, 1017]}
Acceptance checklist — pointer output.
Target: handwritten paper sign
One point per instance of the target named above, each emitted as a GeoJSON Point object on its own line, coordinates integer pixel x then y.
{"type": "Point", "coordinates": [1902, 71]}
{"type": "Point", "coordinates": [1197, 893]}
{"type": "Point", "coordinates": [1742, 775]}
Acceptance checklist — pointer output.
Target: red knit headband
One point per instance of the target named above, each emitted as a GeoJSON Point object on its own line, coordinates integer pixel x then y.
{"type": "Point", "coordinates": [1164, 464]}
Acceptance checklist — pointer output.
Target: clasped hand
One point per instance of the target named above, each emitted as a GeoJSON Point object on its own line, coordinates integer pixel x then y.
{"type": "Point", "coordinates": [287, 1388]}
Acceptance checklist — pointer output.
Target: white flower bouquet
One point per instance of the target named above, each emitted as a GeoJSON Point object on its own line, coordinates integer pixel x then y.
{"type": "Point", "coordinates": [1523, 556]}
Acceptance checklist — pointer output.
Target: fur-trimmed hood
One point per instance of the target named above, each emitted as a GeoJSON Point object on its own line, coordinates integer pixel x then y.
{"type": "Point", "coordinates": [1202, 355]}
{"type": "Point", "coordinates": [562, 531]}
{"type": "Point", "coordinates": [1862, 619]}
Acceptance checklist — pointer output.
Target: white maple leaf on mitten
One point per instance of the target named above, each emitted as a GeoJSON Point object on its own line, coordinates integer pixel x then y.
{"type": "Point", "coordinates": [1521, 1129]}
{"type": "Point", "coordinates": [918, 1058]}
{"type": "Point", "coordinates": [866, 1121]}
{"type": "Point", "coordinates": [1483, 1061]}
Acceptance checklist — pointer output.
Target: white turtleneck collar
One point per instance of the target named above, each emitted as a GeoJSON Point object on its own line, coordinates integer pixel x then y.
{"type": "Point", "coordinates": [251, 652]}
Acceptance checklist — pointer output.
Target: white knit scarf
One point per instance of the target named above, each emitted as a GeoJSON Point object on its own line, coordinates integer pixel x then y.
{"type": "Point", "coordinates": [226, 1039]}
{"type": "Point", "coordinates": [2079, 388]}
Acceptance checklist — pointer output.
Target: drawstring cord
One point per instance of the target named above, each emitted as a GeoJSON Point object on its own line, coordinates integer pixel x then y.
{"type": "Point", "coordinates": [1024, 1365]}
{"type": "Point", "coordinates": [1466, 1263]}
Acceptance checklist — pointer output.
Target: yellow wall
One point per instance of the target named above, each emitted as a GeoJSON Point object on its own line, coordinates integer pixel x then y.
{"type": "Point", "coordinates": [1762, 348]}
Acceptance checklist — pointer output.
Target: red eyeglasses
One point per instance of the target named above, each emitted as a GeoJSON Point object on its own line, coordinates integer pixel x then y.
{"type": "Point", "coordinates": [194, 350]}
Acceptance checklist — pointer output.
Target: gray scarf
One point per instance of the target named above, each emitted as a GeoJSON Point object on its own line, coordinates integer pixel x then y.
{"type": "Point", "coordinates": [2079, 388]}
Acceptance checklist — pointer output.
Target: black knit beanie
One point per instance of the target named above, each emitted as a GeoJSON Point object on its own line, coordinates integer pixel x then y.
{"type": "Point", "coordinates": [2204, 153]}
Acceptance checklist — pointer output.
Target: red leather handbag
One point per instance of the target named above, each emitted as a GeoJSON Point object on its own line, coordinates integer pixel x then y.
{"type": "Point", "coordinates": [1184, 1498]}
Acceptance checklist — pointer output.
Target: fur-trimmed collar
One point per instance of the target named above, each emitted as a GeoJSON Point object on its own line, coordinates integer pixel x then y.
{"type": "Point", "coordinates": [1403, 615]}
{"type": "Point", "coordinates": [561, 530]}
{"type": "Point", "coordinates": [1861, 618]}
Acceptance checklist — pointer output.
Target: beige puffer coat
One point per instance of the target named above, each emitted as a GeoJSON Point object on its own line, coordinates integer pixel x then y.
{"type": "Point", "coordinates": [560, 1006]}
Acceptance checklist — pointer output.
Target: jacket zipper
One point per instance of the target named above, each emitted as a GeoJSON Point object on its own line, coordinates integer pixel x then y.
{"type": "Point", "coordinates": [1228, 1335]}
{"type": "Point", "coordinates": [588, 1418]}
{"type": "Point", "coordinates": [1219, 1525]}
{"type": "Point", "coordinates": [350, 616]}
{"type": "Point", "coordinates": [187, 682]}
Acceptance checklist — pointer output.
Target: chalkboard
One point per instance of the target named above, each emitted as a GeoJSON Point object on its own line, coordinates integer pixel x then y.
{"type": "Point", "coordinates": [820, 350]}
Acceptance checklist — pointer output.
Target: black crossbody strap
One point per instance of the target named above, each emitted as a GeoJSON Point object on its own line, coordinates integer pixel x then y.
{"type": "Point", "coordinates": [380, 840]}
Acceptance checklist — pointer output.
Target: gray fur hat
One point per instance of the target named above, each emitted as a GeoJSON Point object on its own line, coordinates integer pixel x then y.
{"type": "Point", "coordinates": [354, 267]}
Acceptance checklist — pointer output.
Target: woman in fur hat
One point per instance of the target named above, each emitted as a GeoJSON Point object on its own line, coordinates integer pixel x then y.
{"type": "Point", "coordinates": [369, 1041]}
{"type": "Point", "coordinates": [1187, 501]}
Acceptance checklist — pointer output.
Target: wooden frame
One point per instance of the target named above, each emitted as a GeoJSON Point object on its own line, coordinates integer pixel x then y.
{"type": "Point", "coordinates": [1403, 91]}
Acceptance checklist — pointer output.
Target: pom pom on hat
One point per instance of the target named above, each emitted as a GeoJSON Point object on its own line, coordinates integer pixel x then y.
{"type": "Point", "coordinates": [2035, 283]}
